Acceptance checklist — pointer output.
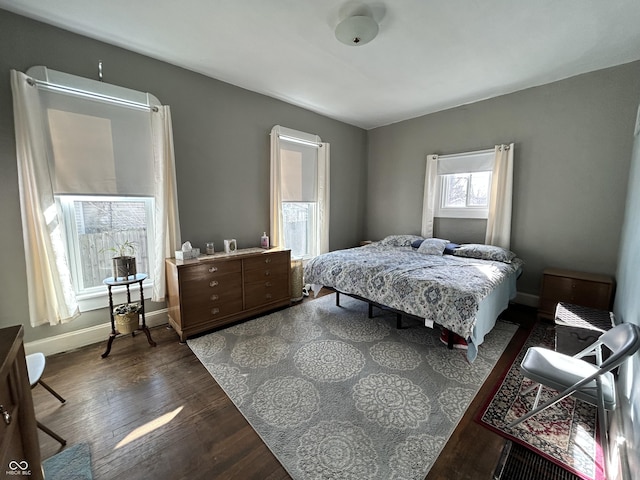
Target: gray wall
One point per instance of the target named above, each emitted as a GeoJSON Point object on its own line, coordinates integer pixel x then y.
{"type": "Point", "coordinates": [221, 146]}
{"type": "Point", "coordinates": [572, 152]}
{"type": "Point", "coordinates": [627, 309]}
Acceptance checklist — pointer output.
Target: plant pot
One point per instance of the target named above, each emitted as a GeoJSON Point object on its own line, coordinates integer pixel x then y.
{"type": "Point", "coordinates": [127, 322]}
{"type": "Point", "coordinates": [124, 267]}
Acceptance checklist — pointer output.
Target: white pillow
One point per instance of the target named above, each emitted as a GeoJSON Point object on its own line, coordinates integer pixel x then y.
{"type": "Point", "coordinates": [433, 246]}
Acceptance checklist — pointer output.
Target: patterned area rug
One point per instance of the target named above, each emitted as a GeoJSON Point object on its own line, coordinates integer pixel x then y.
{"type": "Point", "coordinates": [564, 433]}
{"type": "Point", "coordinates": [336, 395]}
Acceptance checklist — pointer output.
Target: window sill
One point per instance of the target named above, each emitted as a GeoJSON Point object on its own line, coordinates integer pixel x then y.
{"type": "Point", "coordinates": [462, 213]}
{"type": "Point", "coordinates": [97, 300]}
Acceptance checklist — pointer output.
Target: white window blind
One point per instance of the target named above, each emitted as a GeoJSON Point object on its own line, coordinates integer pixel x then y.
{"type": "Point", "coordinates": [96, 147]}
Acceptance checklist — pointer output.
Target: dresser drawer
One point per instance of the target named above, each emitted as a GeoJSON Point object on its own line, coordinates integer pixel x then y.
{"type": "Point", "coordinates": [210, 270]}
{"type": "Point", "coordinates": [266, 291]}
{"type": "Point", "coordinates": [197, 314]}
{"type": "Point", "coordinates": [267, 260]}
{"type": "Point", "coordinates": [578, 288]}
{"type": "Point", "coordinates": [266, 272]}
{"type": "Point", "coordinates": [216, 289]}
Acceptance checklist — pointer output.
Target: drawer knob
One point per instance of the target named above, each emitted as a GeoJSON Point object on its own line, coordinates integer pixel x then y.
{"type": "Point", "coordinates": [213, 269]}
{"type": "Point", "coordinates": [213, 283]}
{"type": "Point", "coordinates": [267, 273]}
{"type": "Point", "coordinates": [267, 260]}
{"type": "Point", "coordinates": [5, 415]}
{"type": "Point", "coordinates": [214, 297]}
{"type": "Point", "coordinates": [268, 295]}
{"type": "Point", "coordinates": [267, 284]}
{"type": "Point", "coordinates": [215, 311]}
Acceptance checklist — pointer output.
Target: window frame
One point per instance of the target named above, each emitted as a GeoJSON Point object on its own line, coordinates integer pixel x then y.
{"type": "Point", "coordinates": [93, 298]}
{"type": "Point", "coordinates": [318, 219]}
{"type": "Point", "coordinates": [466, 164]}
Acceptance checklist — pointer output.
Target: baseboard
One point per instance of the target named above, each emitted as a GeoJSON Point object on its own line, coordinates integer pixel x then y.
{"type": "Point", "coordinates": [86, 336]}
{"type": "Point", "coordinates": [100, 333]}
{"type": "Point", "coordinates": [527, 299]}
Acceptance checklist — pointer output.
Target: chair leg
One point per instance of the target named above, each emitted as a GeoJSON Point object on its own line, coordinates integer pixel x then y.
{"type": "Point", "coordinates": [542, 407]}
{"type": "Point", "coordinates": [604, 429]}
{"type": "Point", "coordinates": [531, 388]}
{"type": "Point", "coordinates": [51, 433]}
{"type": "Point", "coordinates": [52, 391]}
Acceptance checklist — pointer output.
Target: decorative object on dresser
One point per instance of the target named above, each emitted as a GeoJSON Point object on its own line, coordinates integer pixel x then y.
{"type": "Point", "coordinates": [578, 288]}
{"type": "Point", "coordinates": [19, 447]}
{"type": "Point", "coordinates": [223, 288]}
{"type": "Point", "coordinates": [230, 246]}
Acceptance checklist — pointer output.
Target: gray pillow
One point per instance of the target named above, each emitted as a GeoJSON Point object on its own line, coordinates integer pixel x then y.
{"type": "Point", "coordinates": [484, 252]}
{"type": "Point", "coordinates": [433, 246]}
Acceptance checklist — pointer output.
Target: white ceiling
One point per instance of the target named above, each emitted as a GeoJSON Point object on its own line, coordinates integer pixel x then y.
{"type": "Point", "coordinates": [428, 56]}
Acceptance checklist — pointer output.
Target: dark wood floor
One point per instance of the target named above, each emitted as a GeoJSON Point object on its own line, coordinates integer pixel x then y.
{"type": "Point", "coordinates": [156, 413]}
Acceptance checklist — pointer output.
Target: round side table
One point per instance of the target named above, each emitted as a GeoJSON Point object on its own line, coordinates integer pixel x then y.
{"type": "Point", "coordinates": [127, 282]}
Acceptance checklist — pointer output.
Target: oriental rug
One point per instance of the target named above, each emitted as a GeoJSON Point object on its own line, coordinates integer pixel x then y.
{"type": "Point", "coordinates": [336, 395]}
{"type": "Point", "coordinates": [565, 434]}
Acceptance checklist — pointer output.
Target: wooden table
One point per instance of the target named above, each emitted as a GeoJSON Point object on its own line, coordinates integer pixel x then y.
{"type": "Point", "coordinates": [126, 282]}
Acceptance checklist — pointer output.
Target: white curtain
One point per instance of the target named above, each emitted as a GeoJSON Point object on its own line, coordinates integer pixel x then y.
{"type": "Point", "coordinates": [321, 189]}
{"type": "Point", "coordinates": [430, 192]}
{"type": "Point", "coordinates": [500, 204]}
{"type": "Point", "coordinates": [275, 205]}
{"type": "Point", "coordinates": [51, 296]}
{"type": "Point", "coordinates": [323, 197]}
{"type": "Point", "coordinates": [166, 219]}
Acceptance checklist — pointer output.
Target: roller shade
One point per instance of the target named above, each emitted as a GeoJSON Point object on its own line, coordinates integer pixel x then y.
{"type": "Point", "coordinates": [299, 172]}
{"type": "Point", "coordinates": [97, 148]}
{"type": "Point", "coordinates": [465, 163]}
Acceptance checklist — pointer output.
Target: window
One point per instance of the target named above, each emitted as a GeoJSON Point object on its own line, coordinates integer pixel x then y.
{"type": "Point", "coordinates": [99, 153]}
{"type": "Point", "coordinates": [464, 185]}
{"type": "Point", "coordinates": [93, 225]}
{"type": "Point", "coordinates": [299, 192]}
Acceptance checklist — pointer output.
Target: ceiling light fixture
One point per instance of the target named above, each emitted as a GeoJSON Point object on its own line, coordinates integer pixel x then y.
{"type": "Point", "coordinates": [357, 30]}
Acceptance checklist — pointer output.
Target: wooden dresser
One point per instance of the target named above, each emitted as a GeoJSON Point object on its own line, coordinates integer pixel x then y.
{"type": "Point", "coordinates": [578, 288]}
{"type": "Point", "coordinates": [19, 447]}
{"type": "Point", "coordinates": [219, 289]}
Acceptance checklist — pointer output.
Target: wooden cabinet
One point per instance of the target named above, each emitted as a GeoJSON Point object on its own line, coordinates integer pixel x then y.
{"type": "Point", "coordinates": [19, 447]}
{"type": "Point", "coordinates": [579, 288]}
{"type": "Point", "coordinates": [217, 290]}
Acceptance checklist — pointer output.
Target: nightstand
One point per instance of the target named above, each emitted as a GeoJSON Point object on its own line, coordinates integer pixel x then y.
{"type": "Point", "coordinates": [578, 288]}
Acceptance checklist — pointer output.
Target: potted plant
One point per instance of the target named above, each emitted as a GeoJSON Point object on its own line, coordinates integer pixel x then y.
{"type": "Point", "coordinates": [127, 317]}
{"type": "Point", "coordinates": [124, 261]}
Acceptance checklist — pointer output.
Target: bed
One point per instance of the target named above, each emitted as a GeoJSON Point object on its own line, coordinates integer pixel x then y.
{"type": "Point", "coordinates": [462, 288]}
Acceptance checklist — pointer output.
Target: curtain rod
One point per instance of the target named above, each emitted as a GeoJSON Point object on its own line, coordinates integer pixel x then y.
{"type": "Point", "coordinates": [83, 93]}
{"type": "Point", "coordinates": [300, 140]}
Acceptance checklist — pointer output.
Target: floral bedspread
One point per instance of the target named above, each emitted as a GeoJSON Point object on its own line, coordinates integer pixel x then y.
{"type": "Point", "coordinates": [444, 289]}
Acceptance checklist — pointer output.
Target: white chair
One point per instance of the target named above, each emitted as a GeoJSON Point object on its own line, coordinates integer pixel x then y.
{"type": "Point", "coordinates": [35, 367]}
{"type": "Point", "coordinates": [570, 375]}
